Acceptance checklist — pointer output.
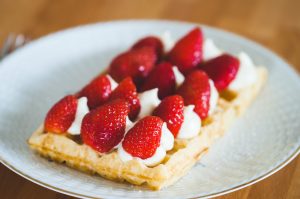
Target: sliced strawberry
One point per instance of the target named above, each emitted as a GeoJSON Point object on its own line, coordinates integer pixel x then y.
{"type": "Point", "coordinates": [127, 90]}
{"type": "Point", "coordinates": [170, 110]}
{"type": "Point", "coordinates": [163, 78]}
{"type": "Point", "coordinates": [187, 52]}
{"type": "Point", "coordinates": [136, 63]}
{"type": "Point", "coordinates": [150, 41]}
{"type": "Point", "coordinates": [61, 115]}
{"type": "Point", "coordinates": [104, 127]}
{"type": "Point", "coordinates": [97, 91]}
{"type": "Point", "coordinates": [222, 70]}
{"type": "Point", "coordinates": [196, 90]}
{"type": "Point", "coordinates": [143, 138]}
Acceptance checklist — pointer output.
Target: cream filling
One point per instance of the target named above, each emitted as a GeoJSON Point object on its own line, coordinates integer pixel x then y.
{"type": "Point", "coordinates": [210, 50]}
{"type": "Point", "coordinates": [214, 96]}
{"type": "Point", "coordinates": [191, 125]}
{"type": "Point", "coordinates": [149, 101]}
{"type": "Point", "coordinates": [246, 74]}
{"type": "Point", "coordinates": [113, 83]}
{"type": "Point", "coordinates": [179, 78]}
{"type": "Point", "coordinates": [81, 111]}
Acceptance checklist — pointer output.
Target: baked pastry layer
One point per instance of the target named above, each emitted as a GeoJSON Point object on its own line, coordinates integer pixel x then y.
{"type": "Point", "coordinates": [178, 161]}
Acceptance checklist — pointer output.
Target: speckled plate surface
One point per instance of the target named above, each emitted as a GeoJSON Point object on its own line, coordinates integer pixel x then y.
{"type": "Point", "coordinates": [265, 139]}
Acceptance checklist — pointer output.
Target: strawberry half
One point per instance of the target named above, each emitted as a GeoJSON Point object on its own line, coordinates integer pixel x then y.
{"type": "Point", "coordinates": [196, 90]}
{"type": "Point", "coordinates": [136, 63]}
{"type": "Point", "coordinates": [61, 115]}
{"type": "Point", "coordinates": [163, 78]}
{"type": "Point", "coordinates": [97, 91]}
{"type": "Point", "coordinates": [103, 128]}
{"type": "Point", "coordinates": [170, 110]}
{"type": "Point", "coordinates": [143, 138]}
{"type": "Point", "coordinates": [152, 42]}
{"type": "Point", "coordinates": [222, 70]}
{"type": "Point", "coordinates": [187, 52]}
{"type": "Point", "coordinates": [126, 90]}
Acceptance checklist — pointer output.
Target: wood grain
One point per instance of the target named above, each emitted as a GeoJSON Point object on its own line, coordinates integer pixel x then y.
{"type": "Point", "coordinates": [273, 23]}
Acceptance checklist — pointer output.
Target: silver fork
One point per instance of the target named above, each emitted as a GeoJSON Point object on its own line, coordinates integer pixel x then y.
{"type": "Point", "coordinates": [11, 43]}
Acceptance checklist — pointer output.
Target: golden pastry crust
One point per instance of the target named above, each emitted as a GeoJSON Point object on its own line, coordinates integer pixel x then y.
{"type": "Point", "coordinates": [177, 162]}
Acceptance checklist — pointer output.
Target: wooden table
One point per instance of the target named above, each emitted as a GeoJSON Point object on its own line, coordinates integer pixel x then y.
{"type": "Point", "coordinates": [273, 23]}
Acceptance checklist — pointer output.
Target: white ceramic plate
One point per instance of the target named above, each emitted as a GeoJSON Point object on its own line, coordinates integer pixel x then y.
{"type": "Point", "coordinates": [261, 142]}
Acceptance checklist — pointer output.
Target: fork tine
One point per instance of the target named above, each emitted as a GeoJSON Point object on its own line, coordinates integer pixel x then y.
{"type": "Point", "coordinates": [8, 43]}
{"type": "Point", "coordinates": [19, 41]}
{"type": "Point", "coordinates": [11, 43]}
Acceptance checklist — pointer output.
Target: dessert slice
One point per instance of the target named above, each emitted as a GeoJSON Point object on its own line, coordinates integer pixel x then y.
{"type": "Point", "coordinates": [170, 134]}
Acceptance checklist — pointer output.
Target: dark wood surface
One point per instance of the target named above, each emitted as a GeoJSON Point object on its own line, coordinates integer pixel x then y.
{"type": "Point", "coordinates": [273, 23]}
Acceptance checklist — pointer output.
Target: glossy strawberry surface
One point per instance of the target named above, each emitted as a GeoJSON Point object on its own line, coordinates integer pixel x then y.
{"type": "Point", "coordinates": [104, 127]}
{"type": "Point", "coordinates": [61, 115]}
{"type": "Point", "coordinates": [187, 52]}
{"type": "Point", "coordinates": [163, 78]}
{"type": "Point", "coordinates": [170, 110]}
{"type": "Point", "coordinates": [136, 63]}
{"type": "Point", "coordinates": [127, 90]}
{"type": "Point", "coordinates": [97, 91]}
{"type": "Point", "coordinates": [196, 90]}
{"type": "Point", "coordinates": [152, 42]}
{"type": "Point", "coordinates": [222, 70]}
{"type": "Point", "coordinates": [143, 138]}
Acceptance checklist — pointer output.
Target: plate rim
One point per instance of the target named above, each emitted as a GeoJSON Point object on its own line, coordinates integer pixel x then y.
{"type": "Point", "coordinates": [223, 192]}
{"type": "Point", "coordinates": [288, 159]}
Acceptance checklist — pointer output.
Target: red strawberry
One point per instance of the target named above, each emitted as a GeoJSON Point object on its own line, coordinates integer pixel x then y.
{"type": "Point", "coordinates": [97, 91]}
{"type": "Point", "coordinates": [143, 138]}
{"type": "Point", "coordinates": [170, 110]}
{"type": "Point", "coordinates": [161, 77]}
{"type": "Point", "coordinates": [150, 41]}
{"type": "Point", "coordinates": [222, 70]}
{"type": "Point", "coordinates": [136, 63]}
{"type": "Point", "coordinates": [61, 115]}
{"type": "Point", "coordinates": [187, 52]}
{"type": "Point", "coordinates": [196, 90]}
{"type": "Point", "coordinates": [104, 127]}
{"type": "Point", "coordinates": [127, 90]}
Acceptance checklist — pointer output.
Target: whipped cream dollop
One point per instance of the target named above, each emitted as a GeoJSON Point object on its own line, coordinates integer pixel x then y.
{"type": "Point", "coordinates": [214, 96]}
{"type": "Point", "coordinates": [246, 74]}
{"type": "Point", "coordinates": [166, 144]}
{"type": "Point", "coordinates": [129, 124]}
{"type": "Point", "coordinates": [81, 111]}
{"type": "Point", "coordinates": [113, 83]}
{"type": "Point", "coordinates": [149, 101]}
{"type": "Point", "coordinates": [179, 78]}
{"type": "Point", "coordinates": [210, 50]}
{"type": "Point", "coordinates": [191, 124]}
{"type": "Point", "coordinates": [167, 40]}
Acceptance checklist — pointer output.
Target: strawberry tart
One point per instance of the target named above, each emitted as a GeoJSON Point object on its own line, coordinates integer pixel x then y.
{"type": "Point", "coordinates": [154, 113]}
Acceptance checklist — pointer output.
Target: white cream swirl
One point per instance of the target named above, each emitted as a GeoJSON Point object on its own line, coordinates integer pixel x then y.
{"type": "Point", "coordinates": [246, 74]}
{"type": "Point", "coordinates": [149, 101]}
{"type": "Point", "coordinates": [191, 124]}
{"type": "Point", "coordinates": [81, 111]}
{"type": "Point", "coordinates": [113, 83]}
{"type": "Point", "coordinates": [210, 50]}
{"type": "Point", "coordinates": [179, 78]}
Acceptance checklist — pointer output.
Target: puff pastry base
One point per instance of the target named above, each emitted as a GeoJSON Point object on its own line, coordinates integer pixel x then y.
{"type": "Point", "coordinates": [178, 161]}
